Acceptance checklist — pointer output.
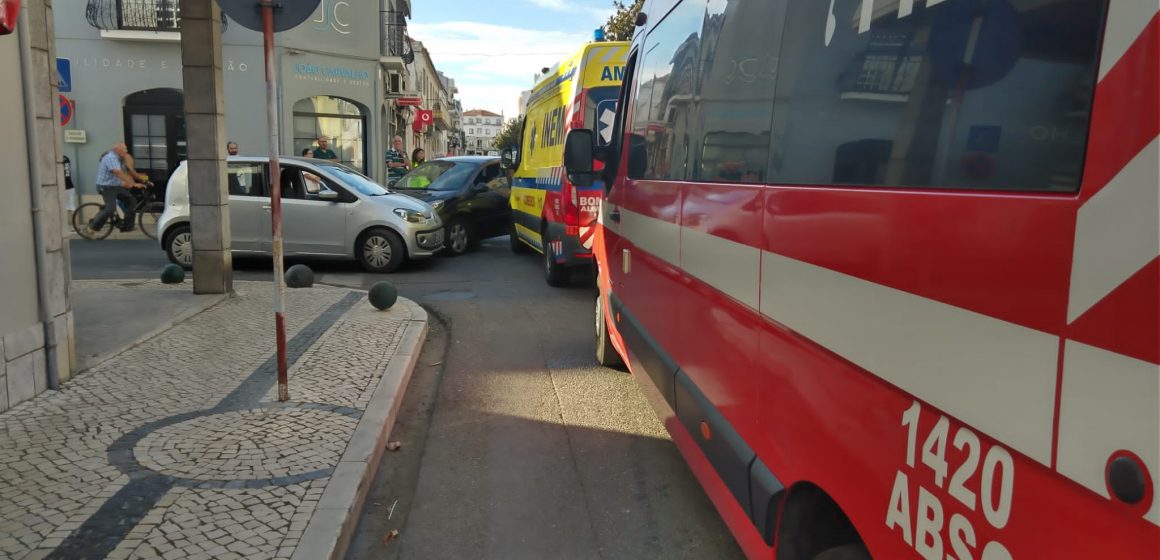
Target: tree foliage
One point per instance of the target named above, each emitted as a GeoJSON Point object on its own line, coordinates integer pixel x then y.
{"type": "Point", "coordinates": [622, 24]}
{"type": "Point", "coordinates": [509, 136]}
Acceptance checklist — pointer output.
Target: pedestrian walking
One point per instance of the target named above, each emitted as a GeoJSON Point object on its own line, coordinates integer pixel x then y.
{"type": "Point", "coordinates": [113, 183]}
{"type": "Point", "coordinates": [323, 150]}
{"type": "Point", "coordinates": [397, 164]}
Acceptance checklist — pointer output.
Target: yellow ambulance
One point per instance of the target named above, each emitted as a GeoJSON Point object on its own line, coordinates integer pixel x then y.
{"type": "Point", "coordinates": [549, 214]}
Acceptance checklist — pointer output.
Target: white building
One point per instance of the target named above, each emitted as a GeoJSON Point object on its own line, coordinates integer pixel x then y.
{"type": "Point", "coordinates": [481, 128]}
{"type": "Point", "coordinates": [524, 96]}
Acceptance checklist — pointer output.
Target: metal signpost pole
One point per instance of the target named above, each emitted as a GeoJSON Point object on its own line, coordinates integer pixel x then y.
{"type": "Point", "coordinates": [270, 17]}
{"type": "Point", "coordinates": [275, 196]}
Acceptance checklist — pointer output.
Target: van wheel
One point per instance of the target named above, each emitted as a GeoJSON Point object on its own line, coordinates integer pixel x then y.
{"type": "Point", "coordinates": [855, 551]}
{"type": "Point", "coordinates": [555, 273]}
{"type": "Point", "coordinates": [605, 353]}
{"type": "Point", "coordinates": [380, 250]}
{"type": "Point", "coordinates": [518, 246]}
{"type": "Point", "coordinates": [179, 246]}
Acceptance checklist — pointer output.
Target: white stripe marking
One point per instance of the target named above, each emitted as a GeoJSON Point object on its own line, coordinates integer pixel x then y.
{"type": "Point", "coordinates": [728, 266]}
{"type": "Point", "coordinates": [996, 376]}
{"type": "Point", "coordinates": [1126, 20]}
{"type": "Point", "coordinates": [660, 238]}
{"type": "Point", "coordinates": [1117, 232]}
{"type": "Point", "coordinates": [1108, 402]}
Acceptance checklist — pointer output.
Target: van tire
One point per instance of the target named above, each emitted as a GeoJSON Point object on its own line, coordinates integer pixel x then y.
{"type": "Point", "coordinates": [855, 551]}
{"type": "Point", "coordinates": [605, 352]}
{"type": "Point", "coordinates": [555, 273]}
{"type": "Point", "coordinates": [380, 250]}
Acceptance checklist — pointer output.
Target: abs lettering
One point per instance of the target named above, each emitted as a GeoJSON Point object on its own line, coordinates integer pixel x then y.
{"type": "Point", "coordinates": [927, 526]}
{"type": "Point", "coordinates": [899, 513]}
{"type": "Point", "coordinates": [962, 537]}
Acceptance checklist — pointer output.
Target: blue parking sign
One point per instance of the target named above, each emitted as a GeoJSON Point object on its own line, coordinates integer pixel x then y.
{"type": "Point", "coordinates": [64, 74]}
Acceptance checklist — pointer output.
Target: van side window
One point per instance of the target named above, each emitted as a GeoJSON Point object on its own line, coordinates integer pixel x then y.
{"type": "Point", "coordinates": [735, 88]}
{"type": "Point", "coordinates": [638, 159]}
{"type": "Point", "coordinates": [664, 103]}
{"type": "Point", "coordinates": [956, 94]}
{"type": "Point", "coordinates": [246, 179]}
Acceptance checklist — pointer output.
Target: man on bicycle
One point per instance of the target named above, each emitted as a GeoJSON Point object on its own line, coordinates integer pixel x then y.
{"type": "Point", "coordinates": [114, 182]}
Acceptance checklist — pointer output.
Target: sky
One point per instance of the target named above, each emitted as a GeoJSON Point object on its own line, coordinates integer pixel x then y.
{"type": "Point", "coordinates": [494, 48]}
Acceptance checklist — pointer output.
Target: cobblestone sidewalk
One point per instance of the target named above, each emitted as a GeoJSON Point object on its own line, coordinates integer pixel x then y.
{"type": "Point", "coordinates": [178, 448]}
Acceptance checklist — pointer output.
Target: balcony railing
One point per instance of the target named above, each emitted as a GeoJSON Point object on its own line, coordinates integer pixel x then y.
{"type": "Point", "coordinates": [136, 15]}
{"type": "Point", "coordinates": [395, 41]}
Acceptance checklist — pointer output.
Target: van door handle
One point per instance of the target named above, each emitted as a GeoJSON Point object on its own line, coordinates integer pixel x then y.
{"type": "Point", "coordinates": [614, 215]}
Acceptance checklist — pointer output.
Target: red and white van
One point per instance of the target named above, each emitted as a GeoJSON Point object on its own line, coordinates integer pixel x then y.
{"type": "Point", "coordinates": [889, 269]}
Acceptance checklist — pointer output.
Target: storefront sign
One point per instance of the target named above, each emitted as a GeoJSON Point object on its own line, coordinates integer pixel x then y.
{"type": "Point", "coordinates": [76, 137]}
{"type": "Point", "coordinates": [409, 101]}
{"type": "Point", "coordinates": [332, 74]}
{"type": "Point", "coordinates": [113, 63]}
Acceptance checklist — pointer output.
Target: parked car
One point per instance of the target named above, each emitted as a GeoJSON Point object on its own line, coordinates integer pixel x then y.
{"type": "Point", "coordinates": [469, 192]}
{"type": "Point", "coordinates": [328, 209]}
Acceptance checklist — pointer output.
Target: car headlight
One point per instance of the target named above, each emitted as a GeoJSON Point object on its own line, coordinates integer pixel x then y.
{"type": "Point", "coordinates": [437, 205]}
{"type": "Point", "coordinates": [413, 216]}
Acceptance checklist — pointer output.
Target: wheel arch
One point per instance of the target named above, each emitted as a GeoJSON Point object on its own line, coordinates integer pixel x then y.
{"type": "Point", "coordinates": [383, 225]}
{"type": "Point", "coordinates": [163, 236]}
{"type": "Point", "coordinates": [809, 522]}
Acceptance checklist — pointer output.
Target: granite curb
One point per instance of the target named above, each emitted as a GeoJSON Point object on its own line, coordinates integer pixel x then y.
{"type": "Point", "coordinates": [334, 520]}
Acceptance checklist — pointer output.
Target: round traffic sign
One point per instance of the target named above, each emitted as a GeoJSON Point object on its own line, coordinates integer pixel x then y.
{"type": "Point", "coordinates": [287, 13]}
{"type": "Point", "coordinates": [66, 110]}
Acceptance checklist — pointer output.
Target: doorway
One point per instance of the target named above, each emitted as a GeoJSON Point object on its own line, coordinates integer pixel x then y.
{"type": "Point", "coordinates": [155, 132]}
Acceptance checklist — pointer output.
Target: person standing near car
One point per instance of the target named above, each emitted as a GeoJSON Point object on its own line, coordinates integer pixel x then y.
{"type": "Point", "coordinates": [418, 156]}
{"type": "Point", "coordinates": [113, 183]}
{"type": "Point", "coordinates": [397, 164]}
{"type": "Point", "coordinates": [323, 150]}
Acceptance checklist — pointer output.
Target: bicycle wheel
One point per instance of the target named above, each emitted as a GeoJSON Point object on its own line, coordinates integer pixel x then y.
{"type": "Point", "coordinates": [148, 216]}
{"type": "Point", "coordinates": [85, 214]}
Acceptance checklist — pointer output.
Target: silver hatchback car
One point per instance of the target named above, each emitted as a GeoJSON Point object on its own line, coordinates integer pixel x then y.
{"type": "Point", "coordinates": [328, 209]}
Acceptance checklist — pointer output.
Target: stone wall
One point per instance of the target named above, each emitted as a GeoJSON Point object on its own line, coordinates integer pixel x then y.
{"type": "Point", "coordinates": [23, 367]}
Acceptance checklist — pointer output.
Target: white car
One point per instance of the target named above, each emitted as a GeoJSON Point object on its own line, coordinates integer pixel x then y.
{"type": "Point", "coordinates": [328, 209]}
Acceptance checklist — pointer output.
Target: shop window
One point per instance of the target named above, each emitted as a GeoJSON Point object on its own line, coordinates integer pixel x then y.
{"type": "Point", "coordinates": [341, 121]}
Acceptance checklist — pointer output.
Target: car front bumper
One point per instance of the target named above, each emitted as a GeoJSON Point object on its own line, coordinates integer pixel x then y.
{"type": "Point", "coordinates": [426, 242]}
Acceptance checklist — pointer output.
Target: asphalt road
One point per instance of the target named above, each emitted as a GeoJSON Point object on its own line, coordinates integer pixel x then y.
{"type": "Point", "coordinates": [514, 443]}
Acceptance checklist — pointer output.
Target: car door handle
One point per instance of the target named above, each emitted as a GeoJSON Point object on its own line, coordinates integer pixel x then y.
{"type": "Point", "coordinates": [614, 215]}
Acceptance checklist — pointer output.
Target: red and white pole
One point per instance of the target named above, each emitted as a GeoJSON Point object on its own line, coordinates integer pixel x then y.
{"type": "Point", "coordinates": [275, 195]}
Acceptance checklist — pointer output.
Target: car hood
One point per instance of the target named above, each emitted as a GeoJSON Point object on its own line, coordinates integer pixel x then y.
{"type": "Point", "coordinates": [395, 200]}
{"type": "Point", "coordinates": [425, 195]}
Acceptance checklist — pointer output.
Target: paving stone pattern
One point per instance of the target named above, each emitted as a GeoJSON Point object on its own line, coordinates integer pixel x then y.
{"type": "Point", "coordinates": [176, 448]}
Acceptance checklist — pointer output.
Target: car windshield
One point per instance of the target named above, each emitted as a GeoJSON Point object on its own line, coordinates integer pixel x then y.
{"type": "Point", "coordinates": [353, 179]}
{"type": "Point", "coordinates": [439, 175]}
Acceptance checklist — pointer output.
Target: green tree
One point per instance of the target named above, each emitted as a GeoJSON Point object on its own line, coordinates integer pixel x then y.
{"type": "Point", "coordinates": [509, 137]}
{"type": "Point", "coordinates": [622, 24]}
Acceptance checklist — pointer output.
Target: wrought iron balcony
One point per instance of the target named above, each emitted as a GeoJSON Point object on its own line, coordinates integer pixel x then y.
{"type": "Point", "coordinates": [395, 40]}
{"type": "Point", "coordinates": [136, 15]}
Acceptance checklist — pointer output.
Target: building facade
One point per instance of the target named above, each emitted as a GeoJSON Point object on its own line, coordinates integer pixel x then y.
{"type": "Point", "coordinates": [122, 62]}
{"type": "Point", "coordinates": [481, 128]}
{"type": "Point", "coordinates": [36, 321]}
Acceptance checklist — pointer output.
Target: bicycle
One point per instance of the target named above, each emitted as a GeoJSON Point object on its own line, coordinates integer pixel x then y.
{"type": "Point", "coordinates": [145, 203]}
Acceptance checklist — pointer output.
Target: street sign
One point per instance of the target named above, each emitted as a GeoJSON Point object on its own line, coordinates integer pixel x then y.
{"type": "Point", "coordinates": [66, 110]}
{"type": "Point", "coordinates": [287, 13]}
{"type": "Point", "coordinates": [64, 75]}
{"type": "Point", "coordinates": [74, 136]}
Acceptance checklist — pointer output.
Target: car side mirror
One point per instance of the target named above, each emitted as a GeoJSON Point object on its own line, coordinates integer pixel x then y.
{"type": "Point", "coordinates": [329, 196]}
{"type": "Point", "coordinates": [578, 155]}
